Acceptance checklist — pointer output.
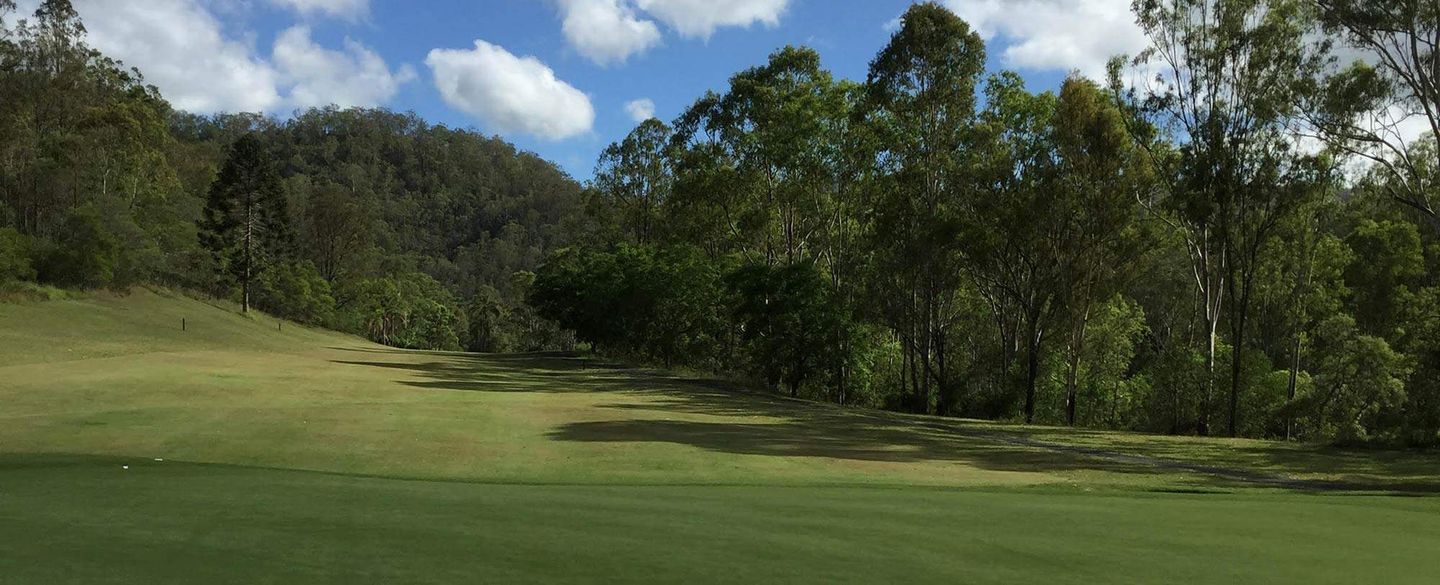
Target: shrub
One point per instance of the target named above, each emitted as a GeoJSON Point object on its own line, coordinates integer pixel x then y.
{"type": "Point", "coordinates": [15, 251]}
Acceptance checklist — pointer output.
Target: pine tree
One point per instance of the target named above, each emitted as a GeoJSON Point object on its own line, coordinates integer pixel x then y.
{"type": "Point", "coordinates": [244, 225]}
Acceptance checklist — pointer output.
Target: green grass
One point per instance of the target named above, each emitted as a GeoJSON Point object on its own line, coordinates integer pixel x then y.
{"type": "Point", "coordinates": [306, 456]}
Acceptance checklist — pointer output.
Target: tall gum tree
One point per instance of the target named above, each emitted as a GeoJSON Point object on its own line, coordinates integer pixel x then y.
{"type": "Point", "coordinates": [1011, 229]}
{"type": "Point", "coordinates": [920, 109]}
{"type": "Point", "coordinates": [1221, 77]}
{"type": "Point", "coordinates": [1099, 181]}
{"type": "Point", "coordinates": [1374, 106]}
{"type": "Point", "coordinates": [634, 180]}
{"type": "Point", "coordinates": [756, 154]}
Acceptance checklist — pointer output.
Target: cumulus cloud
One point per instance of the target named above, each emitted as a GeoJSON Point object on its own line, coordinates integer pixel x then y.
{"type": "Point", "coordinates": [345, 9]}
{"type": "Point", "coordinates": [610, 31]}
{"type": "Point", "coordinates": [700, 18]}
{"type": "Point", "coordinates": [355, 76]}
{"type": "Point", "coordinates": [607, 31]}
{"type": "Point", "coordinates": [640, 110]}
{"type": "Point", "coordinates": [508, 93]}
{"type": "Point", "coordinates": [182, 48]}
{"type": "Point", "coordinates": [1056, 34]}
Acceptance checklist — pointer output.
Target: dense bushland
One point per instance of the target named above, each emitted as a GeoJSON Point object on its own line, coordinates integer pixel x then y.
{"type": "Point", "coordinates": [1172, 251]}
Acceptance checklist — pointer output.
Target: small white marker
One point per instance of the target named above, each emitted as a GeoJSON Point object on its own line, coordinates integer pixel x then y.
{"type": "Point", "coordinates": [124, 467]}
{"type": "Point", "coordinates": [159, 459]}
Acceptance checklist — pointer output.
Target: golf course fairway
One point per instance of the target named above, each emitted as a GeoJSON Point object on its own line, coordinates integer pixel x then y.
{"type": "Point", "coordinates": [238, 449]}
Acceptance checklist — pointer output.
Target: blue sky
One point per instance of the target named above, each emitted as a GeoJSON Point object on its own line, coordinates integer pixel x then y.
{"type": "Point", "coordinates": [552, 76]}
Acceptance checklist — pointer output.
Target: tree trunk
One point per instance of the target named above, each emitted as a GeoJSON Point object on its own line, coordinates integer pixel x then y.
{"type": "Point", "coordinates": [947, 399]}
{"type": "Point", "coordinates": [1237, 344]}
{"type": "Point", "coordinates": [1208, 384]}
{"type": "Point", "coordinates": [1033, 370]}
{"type": "Point", "coordinates": [1072, 373]}
{"type": "Point", "coordinates": [248, 253]}
{"type": "Point", "coordinates": [247, 259]}
{"type": "Point", "coordinates": [1294, 380]}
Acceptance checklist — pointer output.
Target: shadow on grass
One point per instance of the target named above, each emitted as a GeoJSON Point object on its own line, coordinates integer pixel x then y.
{"type": "Point", "coordinates": [734, 419]}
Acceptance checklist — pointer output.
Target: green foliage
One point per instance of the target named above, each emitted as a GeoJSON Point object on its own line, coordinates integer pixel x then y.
{"type": "Point", "coordinates": [336, 232]}
{"type": "Point", "coordinates": [1368, 104]}
{"type": "Point", "coordinates": [655, 303]}
{"type": "Point", "coordinates": [792, 324]}
{"type": "Point", "coordinates": [246, 224]}
{"type": "Point", "coordinates": [407, 310]}
{"type": "Point", "coordinates": [496, 326]}
{"type": "Point", "coordinates": [1390, 262]}
{"type": "Point", "coordinates": [1358, 383]}
{"type": "Point", "coordinates": [918, 113]}
{"type": "Point", "coordinates": [15, 256]}
{"type": "Point", "coordinates": [1422, 389]}
{"type": "Point", "coordinates": [85, 255]}
{"type": "Point", "coordinates": [487, 314]}
{"type": "Point", "coordinates": [295, 291]}
{"type": "Point", "coordinates": [633, 180]}
{"type": "Point", "coordinates": [1110, 395]}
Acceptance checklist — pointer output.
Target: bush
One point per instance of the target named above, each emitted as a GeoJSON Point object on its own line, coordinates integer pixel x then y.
{"type": "Point", "coordinates": [85, 255]}
{"type": "Point", "coordinates": [410, 310]}
{"type": "Point", "coordinates": [15, 252]}
{"type": "Point", "coordinates": [499, 327]}
{"type": "Point", "coordinates": [794, 326]}
{"type": "Point", "coordinates": [662, 304]}
{"type": "Point", "coordinates": [295, 291]}
{"type": "Point", "coordinates": [1358, 384]}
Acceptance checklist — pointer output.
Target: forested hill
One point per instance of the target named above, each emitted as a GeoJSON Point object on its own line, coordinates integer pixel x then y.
{"type": "Point", "coordinates": [377, 193]}
{"type": "Point", "coordinates": [429, 192]}
{"type": "Point", "coordinates": [413, 234]}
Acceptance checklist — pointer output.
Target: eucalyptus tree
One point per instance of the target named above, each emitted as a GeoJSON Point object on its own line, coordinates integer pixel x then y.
{"type": "Point", "coordinates": [756, 153]}
{"type": "Point", "coordinates": [634, 179]}
{"type": "Point", "coordinates": [47, 83]}
{"type": "Point", "coordinates": [920, 109]}
{"type": "Point", "coordinates": [1375, 106]}
{"type": "Point", "coordinates": [7, 8]}
{"type": "Point", "coordinates": [1011, 225]}
{"type": "Point", "coordinates": [1302, 285]}
{"type": "Point", "coordinates": [336, 231]}
{"type": "Point", "coordinates": [1098, 182]}
{"type": "Point", "coordinates": [1226, 76]}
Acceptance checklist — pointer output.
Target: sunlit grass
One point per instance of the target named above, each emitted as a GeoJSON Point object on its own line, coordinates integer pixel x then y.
{"type": "Point", "coordinates": [258, 453]}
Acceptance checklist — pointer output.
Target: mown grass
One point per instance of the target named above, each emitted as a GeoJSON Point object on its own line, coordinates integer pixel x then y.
{"type": "Point", "coordinates": [296, 455]}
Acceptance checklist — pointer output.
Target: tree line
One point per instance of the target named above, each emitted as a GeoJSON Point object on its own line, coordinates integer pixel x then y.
{"type": "Point", "coordinates": [362, 220]}
{"type": "Point", "coordinates": [1232, 235]}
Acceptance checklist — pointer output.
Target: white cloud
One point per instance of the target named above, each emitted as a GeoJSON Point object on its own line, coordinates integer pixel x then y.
{"type": "Point", "coordinates": [180, 48]}
{"type": "Point", "coordinates": [353, 77]}
{"type": "Point", "coordinates": [700, 18]}
{"type": "Point", "coordinates": [345, 9]}
{"type": "Point", "coordinates": [640, 110]}
{"type": "Point", "coordinates": [510, 94]}
{"type": "Point", "coordinates": [607, 31]}
{"type": "Point", "coordinates": [1056, 34]}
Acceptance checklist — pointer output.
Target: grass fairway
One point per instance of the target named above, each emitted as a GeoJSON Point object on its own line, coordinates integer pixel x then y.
{"type": "Point", "coordinates": [232, 452]}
